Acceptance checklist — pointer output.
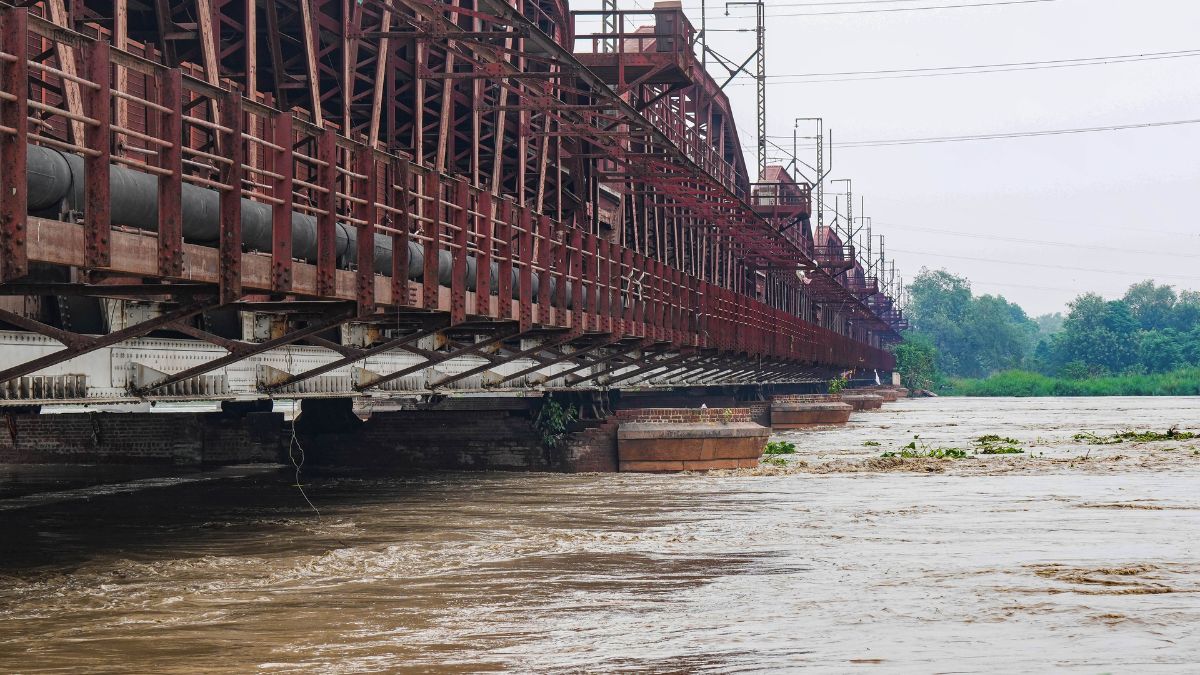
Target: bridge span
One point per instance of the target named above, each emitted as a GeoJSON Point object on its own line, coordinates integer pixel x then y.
{"type": "Point", "coordinates": [227, 200]}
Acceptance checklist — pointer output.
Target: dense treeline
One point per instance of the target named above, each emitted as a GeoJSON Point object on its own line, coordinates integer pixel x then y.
{"type": "Point", "coordinates": [1124, 346]}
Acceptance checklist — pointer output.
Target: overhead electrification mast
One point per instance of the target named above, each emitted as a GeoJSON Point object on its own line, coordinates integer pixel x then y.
{"type": "Point", "coordinates": [760, 76]}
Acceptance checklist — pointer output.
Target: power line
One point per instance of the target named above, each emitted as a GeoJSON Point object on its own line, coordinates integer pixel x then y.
{"type": "Point", "coordinates": [899, 9]}
{"type": "Point", "coordinates": [987, 65]}
{"type": "Point", "coordinates": [841, 2]}
{"type": "Point", "coordinates": [948, 71]}
{"type": "Point", "coordinates": [1032, 264]}
{"type": "Point", "coordinates": [1005, 284]}
{"type": "Point", "coordinates": [1002, 136]}
{"type": "Point", "coordinates": [1040, 242]}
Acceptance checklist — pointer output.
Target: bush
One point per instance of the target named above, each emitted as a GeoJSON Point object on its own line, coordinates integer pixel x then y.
{"type": "Point", "coordinates": [780, 448]}
{"type": "Point", "coordinates": [553, 422]}
{"type": "Point", "coordinates": [838, 385]}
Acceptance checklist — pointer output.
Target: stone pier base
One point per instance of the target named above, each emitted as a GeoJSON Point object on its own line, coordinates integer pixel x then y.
{"type": "Point", "coordinates": [239, 434]}
{"type": "Point", "coordinates": [889, 393]}
{"type": "Point", "coordinates": [678, 439]}
{"type": "Point", "coordinates": [800, 411]}
{"type": "Point", "coordinates": [862, 402]}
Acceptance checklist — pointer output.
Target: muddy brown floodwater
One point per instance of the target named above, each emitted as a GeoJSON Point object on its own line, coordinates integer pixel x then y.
{"type": "Point", "coordinates": [1071, 557]}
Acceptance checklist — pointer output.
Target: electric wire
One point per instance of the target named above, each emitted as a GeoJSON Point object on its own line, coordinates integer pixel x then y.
{"type": "Point", "coordinates": [1041, 242]}
{"type": "Point", "coordinates": [1001, 136]}
{"type": "Point", "coordinates": [982, 69]}
{"type": "Point", "coordinates": [891, 9]}
{"type": "Point", "coordinates": [294, 441]}
{"type": "Point", "coordinates": [1046, 265]}
{"type": "Point", "coordinates": [1005, 284]}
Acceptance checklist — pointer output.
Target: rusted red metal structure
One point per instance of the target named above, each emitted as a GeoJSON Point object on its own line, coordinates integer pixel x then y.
{"type": "Point", "coordinates": [587, 192]}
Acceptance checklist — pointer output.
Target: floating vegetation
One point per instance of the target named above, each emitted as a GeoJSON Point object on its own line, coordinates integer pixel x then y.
{"type": "Point", "coordinates": [993, 444]}
{"type": "Point", "coordinates": [775, 461]}
{"type": "Point", "coordinates": [780, 448]}
{"type": "Point", "coordinates": [931, 453]}
{"type": "Point", "coordinates": [1172, 434]}
{"type": "Point", "coordinates": [924, 451]}
{"type": "Point", "coordinates": [872, 444]}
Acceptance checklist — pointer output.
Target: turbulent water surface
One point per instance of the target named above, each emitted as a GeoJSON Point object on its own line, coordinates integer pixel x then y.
{"type": "Point", "coordinates": [1074, 556]}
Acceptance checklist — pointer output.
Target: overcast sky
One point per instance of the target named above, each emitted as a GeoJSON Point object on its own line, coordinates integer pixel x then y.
{"type": "Point", "coordinates": [1127, 200]}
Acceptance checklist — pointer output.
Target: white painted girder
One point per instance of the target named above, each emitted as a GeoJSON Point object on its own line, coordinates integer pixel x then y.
{"type": "Point", "coordinates": [110, 374]}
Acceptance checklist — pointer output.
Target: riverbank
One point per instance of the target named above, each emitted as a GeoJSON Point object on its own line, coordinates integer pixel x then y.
{"type": "Point", "coordinates": [1184, 382]}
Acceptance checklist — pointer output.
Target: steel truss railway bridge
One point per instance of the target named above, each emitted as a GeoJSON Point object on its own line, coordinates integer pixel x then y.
{"type": "Point", "coordinates": [233, 199]}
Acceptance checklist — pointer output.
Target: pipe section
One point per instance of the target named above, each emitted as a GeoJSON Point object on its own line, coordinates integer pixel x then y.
{"type": "Point", "coordinates": [56, 183]}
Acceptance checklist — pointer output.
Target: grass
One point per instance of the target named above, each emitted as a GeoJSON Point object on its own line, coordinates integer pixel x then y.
{"type": "Point", "coordinates": [780, 448]}
{"type": "Point", "coordinates": [1185, 382]}
{"type": "Point", "coordinates": [1172, 434]}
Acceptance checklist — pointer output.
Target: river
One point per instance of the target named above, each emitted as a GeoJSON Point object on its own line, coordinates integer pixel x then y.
{"type": "Point", "coordinates": [1073, 556]}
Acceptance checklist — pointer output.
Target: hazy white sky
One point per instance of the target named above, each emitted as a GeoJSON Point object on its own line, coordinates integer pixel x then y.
{"type": "Point", "coordinates": [1127, 201]}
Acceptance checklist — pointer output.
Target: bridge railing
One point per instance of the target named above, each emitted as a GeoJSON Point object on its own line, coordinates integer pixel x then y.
{"type": "Point", "coordinates": [634, 31]}
{"type": "Point", "coordinates": [507, 261]}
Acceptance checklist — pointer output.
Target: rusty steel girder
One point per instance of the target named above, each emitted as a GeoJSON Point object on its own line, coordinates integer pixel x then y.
{"type": "Point", "coordinates": [563, 198]}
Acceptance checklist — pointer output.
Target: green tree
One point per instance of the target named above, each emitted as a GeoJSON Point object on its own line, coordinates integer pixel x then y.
{"type": "Point", "coordinates": [1049, 324]}
{"type": "Point", "coordinates": [998, 336]}
{"type": "Point", "coordinates": [916, 361]}
{"type": "Point", "coordinates": [1160, 351]}
{"type": "Point", "coordinates": [1191, 347]}
{"type": "Point", "coordinates": [937, 309]}
{"type": "Point", "coordinates": [1099, 333]}
{"type": "Point", "coordinates": [1151, 305]}
{"type": "Point", "coordinates": [1186, 314]}
{"type": "Point", "coordinates": [973, 336]}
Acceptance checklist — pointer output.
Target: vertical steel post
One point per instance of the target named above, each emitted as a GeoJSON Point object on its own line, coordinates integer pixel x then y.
{"type": "Point", "coordinates": [576, 274]}
{"type": "Point", "coordinates": [366, 166]}
{"type": "Point", "coordinates": [14, 115]}
{"type": "Point", "coordinates": [544, 262]}
{"type": "Point", "coordinates": [527, 261]}
{"type": "Point", "coordinates": [605, 287]}
{"type": "Point", "coordinates": [458, 275]}
{"type": "Point", "coordinates": [327, 179]}
{"type": "Point", "coordinates": [97, 223]}
{"type": "Point", "coordinates": [504, 267]}
{"type": "Point", "coordinates": [230, 263]}
{"type": "Point", "coordinates": [281, 212]}
{"type": "Point", "coordinates": [626, 294]}
{"type": "Point", "coordinates": [589, 258]}
{"type": "Point", "coordinates": [431, 210]}
{"type": "Point", "coordinates": [484, 242]}
{"type": "Point", "coordinates": [170, 186]}
{"type": "Point", "coordinates": [397, 189]}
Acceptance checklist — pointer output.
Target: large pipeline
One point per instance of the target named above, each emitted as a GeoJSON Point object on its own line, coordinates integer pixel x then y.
{"type": "Point", "coordinates": [56, 183]}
